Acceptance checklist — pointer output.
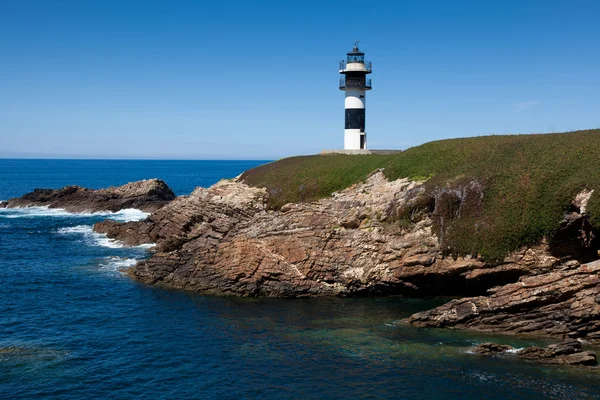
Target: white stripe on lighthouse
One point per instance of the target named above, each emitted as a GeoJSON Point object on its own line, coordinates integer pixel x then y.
{"type": "Point", "coordinates": [353, 98]}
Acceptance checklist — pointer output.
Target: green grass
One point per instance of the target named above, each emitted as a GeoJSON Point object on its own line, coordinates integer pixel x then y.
{"type": "Point", "coordinates": [307, 178]}
{"type": "Point", "coordinates": [527, 181]}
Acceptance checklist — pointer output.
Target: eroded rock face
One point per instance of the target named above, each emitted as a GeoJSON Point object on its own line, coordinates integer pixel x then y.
{"type": "Point", "coordinates": [564, 302]}
{"type": "Point", "coordinates": [224, 240]}
{"type": "Point", "coordinates": [147, 195]}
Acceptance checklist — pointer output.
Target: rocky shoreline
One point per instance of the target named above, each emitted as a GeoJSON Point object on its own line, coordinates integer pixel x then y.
{"type": "Point", "coordinates": [147, 195]}
{"type": "Point", "coordinates": [225, 240]}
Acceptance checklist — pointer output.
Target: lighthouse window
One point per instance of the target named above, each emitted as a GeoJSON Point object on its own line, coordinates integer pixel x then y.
{"type": "Point", "coordinates": [362, 96]}
{"type": "Point", "coordinates": [356, 59]}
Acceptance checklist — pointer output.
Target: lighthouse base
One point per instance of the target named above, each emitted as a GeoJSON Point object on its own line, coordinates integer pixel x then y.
{"type": "Point", "coordinates": [349, 152]}
{"type": "Point", "coordinates": [360, 152]}
{"type": "Point", "coordinates": [354, 139]}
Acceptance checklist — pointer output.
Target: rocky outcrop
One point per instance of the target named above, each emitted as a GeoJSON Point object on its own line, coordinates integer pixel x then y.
{"type": "Point", "coordinates": [564, 302]}
{"type": "Point", "coordinates": [224, 240]}
{"type": "Point", "coordinates": [147, 195]}
{"type": "Point", "coordinates": [490, 349]}
{"type": "Point", "coordinates": [566, 352]}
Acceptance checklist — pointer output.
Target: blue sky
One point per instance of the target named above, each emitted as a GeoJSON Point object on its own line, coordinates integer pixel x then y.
{"type": "Point", "coordinates": [233, 79]}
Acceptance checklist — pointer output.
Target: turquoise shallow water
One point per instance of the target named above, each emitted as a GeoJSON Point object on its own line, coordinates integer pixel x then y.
{"type": "Point", "coordinates": [73, 326]}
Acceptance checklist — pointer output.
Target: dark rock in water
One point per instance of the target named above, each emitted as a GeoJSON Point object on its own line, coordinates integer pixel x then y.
{"type": "Point", "coordinates": [147, 195]}
{"type": "Point", "coordinates": [3, 204]}
{"type": "Point", "coordinates": [535, 353]}
{"type": "Point", "coordinates": [566, 352]}
{"type": "Point", "coordinates": [489, 348]}
{"type": "Point", "coordinates": [131, 233]}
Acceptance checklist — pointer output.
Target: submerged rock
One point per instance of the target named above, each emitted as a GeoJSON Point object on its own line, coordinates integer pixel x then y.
{"type": "Point", "coordinates": [565, 352]}
{"type": "Point", "coordinates": [147, 195]}
{"type": "Point", "coordinates": [489, 348]}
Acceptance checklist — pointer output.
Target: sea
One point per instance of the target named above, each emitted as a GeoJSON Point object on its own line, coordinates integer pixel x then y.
{"type": "Point", "coordinates": [74, 326]}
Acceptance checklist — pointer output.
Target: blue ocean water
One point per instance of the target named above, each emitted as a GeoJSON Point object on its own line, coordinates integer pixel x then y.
{"type": "Point", "coordinates": [72, 326]}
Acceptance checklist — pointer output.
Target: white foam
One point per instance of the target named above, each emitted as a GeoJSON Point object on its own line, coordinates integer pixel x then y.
{"type": "Point", "coordinates": [129, 214]}
{"type": "Point", "coordinates": [117, 264]}
{"type": "Point", "coordinates": [76, 229]}
{"type": "Point", "coordinates": [125, 215]}
{"type": "Point", "coordinates": [514, 350]}
{"type": "Point", "coordinates": [97, 239]}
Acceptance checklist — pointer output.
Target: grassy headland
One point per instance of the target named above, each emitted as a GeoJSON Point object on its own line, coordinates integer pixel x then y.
{"type": "Point", "coordinates": [494, 193]}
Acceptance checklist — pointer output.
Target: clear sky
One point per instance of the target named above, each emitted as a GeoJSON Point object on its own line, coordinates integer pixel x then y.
{"type": "Point", "coordinates": [258, 79]}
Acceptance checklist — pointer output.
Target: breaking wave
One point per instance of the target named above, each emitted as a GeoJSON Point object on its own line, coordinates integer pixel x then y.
{"type": "Point", "coordinates": [117, 264]}
{"type": "Point", "coordinates": [126, 215]}
{"type": "Point", "coordinates": [92, 238]}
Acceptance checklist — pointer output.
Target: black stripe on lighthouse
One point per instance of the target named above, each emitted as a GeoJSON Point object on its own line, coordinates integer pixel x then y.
{"type": "Point", "coordinates": [355, 118]}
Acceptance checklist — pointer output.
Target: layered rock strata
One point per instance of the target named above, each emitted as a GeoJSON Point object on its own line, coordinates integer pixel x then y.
{"type": "Point", "coordinates": [224, 240]}
{"type": "Point", "coordinates": [147, 195]}
{"type": "Point", "coordinates": [563, 302]}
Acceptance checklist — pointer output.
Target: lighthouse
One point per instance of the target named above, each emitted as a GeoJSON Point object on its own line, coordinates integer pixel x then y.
{"type": "Point", "coordinates": [354, 83]}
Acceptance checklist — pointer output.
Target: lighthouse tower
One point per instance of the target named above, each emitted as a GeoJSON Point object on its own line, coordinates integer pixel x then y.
{"type": "Point", "coordinates": [355, 83]}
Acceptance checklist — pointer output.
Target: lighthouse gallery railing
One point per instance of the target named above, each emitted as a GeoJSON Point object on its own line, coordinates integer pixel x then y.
{"type": "Point", "coordinates": [354, 84]}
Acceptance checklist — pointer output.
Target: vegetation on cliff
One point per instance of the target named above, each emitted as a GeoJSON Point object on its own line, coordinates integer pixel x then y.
{"type": "Point", "coordinates": [488, 195]}
{"type": "Point", "coordinates": [308, 178]}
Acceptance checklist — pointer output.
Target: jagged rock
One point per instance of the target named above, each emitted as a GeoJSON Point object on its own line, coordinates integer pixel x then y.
{"type": "Point", "coordinates": [224, 240]}
{"type": "Point", "coordinates": [147, 195]}
{"type": "Point", "coordinates": [489, 348]}
{"type": "Point", "coordinates": [558, 303]}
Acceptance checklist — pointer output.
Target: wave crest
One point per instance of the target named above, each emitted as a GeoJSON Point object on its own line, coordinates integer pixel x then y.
{"type": "Point", "coordinates": [96, 239]}
{"type": "Point", "coordinates": [125, 215]}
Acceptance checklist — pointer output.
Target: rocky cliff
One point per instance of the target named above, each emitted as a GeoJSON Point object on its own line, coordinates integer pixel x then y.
{"type": "Point", "coordinates": [147, 195]}
{"type": "Point", "coordinates": [224, 240]}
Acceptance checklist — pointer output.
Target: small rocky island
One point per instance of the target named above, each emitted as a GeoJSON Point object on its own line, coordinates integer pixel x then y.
{"type": "Point", "coordinates": [378, 236]}
{"type": "Point", "coordinates": [147, 195]}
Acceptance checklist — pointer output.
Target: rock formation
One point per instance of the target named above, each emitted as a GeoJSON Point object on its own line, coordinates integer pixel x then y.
{"type": "Point", "coordinates": [225, 240]}
{"type": "Point", "coordinates": [147, 195]}
{"type": "Point", "coordinates": [565, 352]}
{"type": "Point", "coordinates": [563, 302]}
